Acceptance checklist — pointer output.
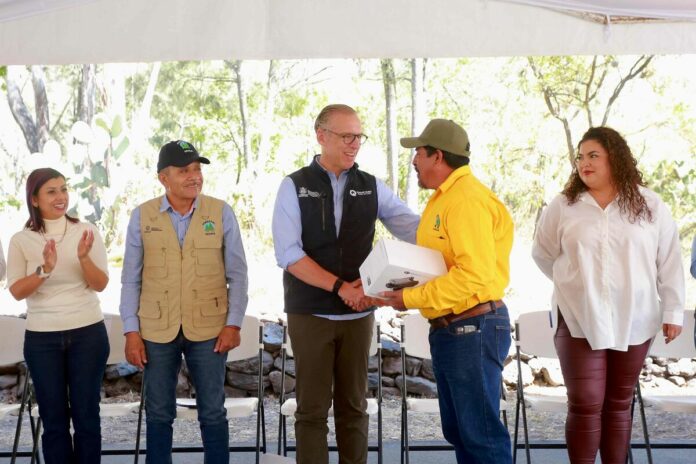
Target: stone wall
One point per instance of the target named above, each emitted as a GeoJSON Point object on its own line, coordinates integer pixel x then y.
{"type": "Point", "coordinates": [241, 377]}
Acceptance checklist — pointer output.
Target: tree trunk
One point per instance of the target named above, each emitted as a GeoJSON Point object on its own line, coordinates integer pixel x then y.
{"type": "Point", "coordinates": [19, 110]}
{"type": "Point", "coordinates": [38, 81]}
{"type": "Point", "coordinates": [236, 67]}
{"type": "Point", "coordinates": [87, 93]}
{"type": "Point", "coordinates": [389, 81]}
{"type": "Point", "coordinates": [417, 124]}
{"type": "Point", "coordinates": [268, 115]}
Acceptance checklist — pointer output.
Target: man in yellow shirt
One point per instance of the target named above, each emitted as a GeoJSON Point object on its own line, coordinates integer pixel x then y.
{"type": "Point", "coordinates": [470, 326]}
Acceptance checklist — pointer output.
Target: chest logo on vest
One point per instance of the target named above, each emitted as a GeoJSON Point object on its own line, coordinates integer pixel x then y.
{"type": "Point", "coordinates": [149, 229]}
{"type": "Point", "coordinates": [208, 227]}
{"type": "Point", "coordinates": [304, 192]}
{"type": "Point", "coordinates": [359, 193]}
{"type": "Point", "coordinates": [437, 223]}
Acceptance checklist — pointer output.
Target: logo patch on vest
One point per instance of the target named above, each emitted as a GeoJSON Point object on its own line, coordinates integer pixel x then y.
{"type": "Point", "coordinates": [359, 193]}
{"type": "Point", "coordinates": [149, 229]}
{"type": "Point", "coordinates": [208, 227]}
{"type": "Point", "coordinates": [304, 192]}
{"type": "Point", "coordinates": [437, 223]}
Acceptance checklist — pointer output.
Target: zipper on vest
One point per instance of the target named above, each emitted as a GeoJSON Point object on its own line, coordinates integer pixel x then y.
{"type": "Point", "coordinates": [323, 213]}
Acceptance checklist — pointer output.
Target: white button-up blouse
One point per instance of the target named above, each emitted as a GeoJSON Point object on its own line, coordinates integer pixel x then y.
{"type": "Point", "coordinates": [615, 282]}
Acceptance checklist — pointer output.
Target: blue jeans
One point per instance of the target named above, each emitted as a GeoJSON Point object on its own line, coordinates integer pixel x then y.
{"type": "Point", "coordinates": [67, 368]}
{"type": "Point", "coordinates": [468, 366]}
{"type": "Point", "coordinates": [207, 370]}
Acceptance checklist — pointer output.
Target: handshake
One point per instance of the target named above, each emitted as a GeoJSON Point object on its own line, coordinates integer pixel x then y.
{"type": "Point", "coordinates": [353, 295]}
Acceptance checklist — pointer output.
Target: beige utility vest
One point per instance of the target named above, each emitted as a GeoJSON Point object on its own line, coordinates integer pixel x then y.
{"type": "Point", "coordinates": [182, 286]}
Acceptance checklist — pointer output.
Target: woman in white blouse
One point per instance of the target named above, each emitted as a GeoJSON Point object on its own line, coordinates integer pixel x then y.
{"type": "Point", "coordinates": [57, 264]}
{"type": "Point", "coordinates": [612, 250]}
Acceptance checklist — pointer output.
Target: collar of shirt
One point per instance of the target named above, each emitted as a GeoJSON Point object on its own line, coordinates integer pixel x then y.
{"type": "Point", "coordinates": [454, 177]}
{"type": "Point", "coordinates": [585, 197]}
{"type": "Point", "coordinates": [166, 206]}
{"type": "Point", "coordinates": [342, 174]}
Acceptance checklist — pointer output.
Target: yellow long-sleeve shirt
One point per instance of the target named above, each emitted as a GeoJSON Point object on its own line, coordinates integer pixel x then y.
{"type": "Point", "coordinates": [473, 230]}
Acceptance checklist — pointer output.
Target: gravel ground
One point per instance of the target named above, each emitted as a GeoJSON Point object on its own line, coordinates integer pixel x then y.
{"type": "Point", "coordinates": [542, 426]}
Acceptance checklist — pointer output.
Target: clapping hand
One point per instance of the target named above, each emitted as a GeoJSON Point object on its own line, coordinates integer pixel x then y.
{"type": "Point", "coordinates": [50, 256]}
{"type": "Point", "coordinates": [85, 245]}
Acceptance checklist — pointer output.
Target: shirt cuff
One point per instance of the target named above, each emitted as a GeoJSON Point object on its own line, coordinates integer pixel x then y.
{"type": "Point", "coordinates": [131, 324]}
{"type": "Point", "coordinates": [235, 318]}
{"type": "Point", "coordinates": [675, 317]}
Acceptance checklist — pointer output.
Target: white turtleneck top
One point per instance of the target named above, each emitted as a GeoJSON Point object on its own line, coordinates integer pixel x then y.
{"type": "Point", "coordinates": [63, 301]}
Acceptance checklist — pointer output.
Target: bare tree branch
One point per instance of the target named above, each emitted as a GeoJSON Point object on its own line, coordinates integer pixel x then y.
{"type": "Point", "coordinates": [635, 71]}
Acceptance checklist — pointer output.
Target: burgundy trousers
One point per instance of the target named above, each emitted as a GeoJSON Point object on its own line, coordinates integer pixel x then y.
{"type": "Point", "coordinates": [600, 387]}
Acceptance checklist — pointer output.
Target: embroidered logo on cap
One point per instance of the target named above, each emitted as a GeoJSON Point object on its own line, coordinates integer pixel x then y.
{"type": "Point", "coordinates": [184, 146]}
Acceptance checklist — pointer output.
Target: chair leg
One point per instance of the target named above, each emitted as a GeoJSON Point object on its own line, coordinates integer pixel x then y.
{"type": "Point", "coordinates": [517, 427]}
{"type": "Point", "coordinates": [140, 420]}
{"type": "Point", "coordinates": [20, 416]}
{"type": "Point", "coordinates": [35, 432]}
{"type": "Point", "coordinates": [521, 404]}
{"type": "Point", "coordinates": [35, 449]}
{"type": "Point", "coordinates": [644, 421]}
{"type": "Point", "coordinates": [379, 396]}
{"type": "Point", "coordinates": [263, 429]}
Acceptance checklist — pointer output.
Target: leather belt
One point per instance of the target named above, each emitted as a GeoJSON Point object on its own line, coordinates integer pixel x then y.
{"type": "Point", "coordinates": [478, 310]}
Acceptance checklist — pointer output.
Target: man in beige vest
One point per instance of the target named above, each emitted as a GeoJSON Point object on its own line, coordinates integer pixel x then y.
{"type": "Point", "coordinates": [184, 292]}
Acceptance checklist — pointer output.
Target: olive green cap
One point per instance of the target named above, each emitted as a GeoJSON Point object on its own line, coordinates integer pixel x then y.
{"type": "Point", "coordinates": [443, 134]}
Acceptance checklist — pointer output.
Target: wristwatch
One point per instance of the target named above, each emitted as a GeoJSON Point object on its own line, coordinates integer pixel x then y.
{"type": "Point", "coordinates": [337, 286]}
{"type": "Point", "coordinates": [41, 274]}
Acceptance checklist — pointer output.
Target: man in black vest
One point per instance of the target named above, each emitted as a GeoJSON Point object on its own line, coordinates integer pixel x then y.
{"type": "Point", "coordinates": [323, 229]}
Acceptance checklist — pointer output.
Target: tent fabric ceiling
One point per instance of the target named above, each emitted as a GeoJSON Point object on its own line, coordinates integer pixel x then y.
{"type": "Point", "coordinates": [15, 9]}
{"type": "Point", "coordinates": [653, 9]}
{"type": "Point", "coordinates": [99, 31]}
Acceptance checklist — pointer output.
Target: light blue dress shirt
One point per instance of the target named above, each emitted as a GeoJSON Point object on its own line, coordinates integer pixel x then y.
{"type": "Point", "coordinates": [235, 264]}
{"type": "Point", "coordinates": [287, 221]}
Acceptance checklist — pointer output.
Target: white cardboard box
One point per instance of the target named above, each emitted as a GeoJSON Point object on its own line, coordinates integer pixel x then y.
{"type": "Point", "coordinates": [393, 264]}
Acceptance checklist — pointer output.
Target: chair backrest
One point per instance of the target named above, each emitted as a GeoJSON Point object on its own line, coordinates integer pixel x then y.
{"type": "Point", "coordinates": [680, 347]}
{"type": "Point", "coordinates": [535, 334]}
{"type": "Point", "coordinates": [252, 339]}
{"type": "Point", "coordinates": [117, 341]}
{"type": "Point", "coordinates": [11, 339]}
{"type": "Point", "coordinates": [416, 330]}
{"type": "Point", "coordinates": [373, 343]}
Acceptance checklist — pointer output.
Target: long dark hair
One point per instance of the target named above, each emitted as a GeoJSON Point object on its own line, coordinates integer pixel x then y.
{"type": "Point", "coordinates": [35, 181]}
{"type": "Point", "coordinates": [624, 172]}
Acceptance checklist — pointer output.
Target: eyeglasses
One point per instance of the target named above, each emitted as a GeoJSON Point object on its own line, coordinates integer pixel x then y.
{"type": "Point", "coordinates": [348, 138]}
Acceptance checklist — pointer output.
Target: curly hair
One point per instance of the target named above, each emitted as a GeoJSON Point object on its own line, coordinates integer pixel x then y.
{"type": "Point", "coordinates": [624, 172]}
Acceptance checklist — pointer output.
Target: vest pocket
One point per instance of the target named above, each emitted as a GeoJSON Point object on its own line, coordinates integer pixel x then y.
{"type": "Point", "coordinates": [208, 260]}
{"type": "Point", "coordinates": [211, 310]}
{"type": "Point", "coordinates": [154, 264]}
{"type": "Point", "coordinates": [153, 314]}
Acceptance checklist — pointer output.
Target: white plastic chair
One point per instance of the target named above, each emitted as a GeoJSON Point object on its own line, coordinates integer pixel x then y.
{"type": "Point", "coordinates": [534, 336]}
{"type": "Point", "coordinates": [289, 406]}
{"type": "Point", "coordinates": [414, 342]}
{"type": "Point", "coordinates": [12, 352]}
{"type": "Point", "coordinates": [251, 346]}
{"type": "Point", "coordinates": [680, 347]}
{"type": "Point", "coordinates": [117, 354]}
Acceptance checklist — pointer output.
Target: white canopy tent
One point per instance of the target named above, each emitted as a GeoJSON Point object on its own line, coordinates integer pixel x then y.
{"type": "Point", "coordinates": [98, 31]}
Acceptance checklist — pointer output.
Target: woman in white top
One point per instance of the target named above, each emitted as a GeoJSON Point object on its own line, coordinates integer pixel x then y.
{"type": "Point", "coordinates": [57, 264]}
{"type": "Point", "coordinates": [612, 250]}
